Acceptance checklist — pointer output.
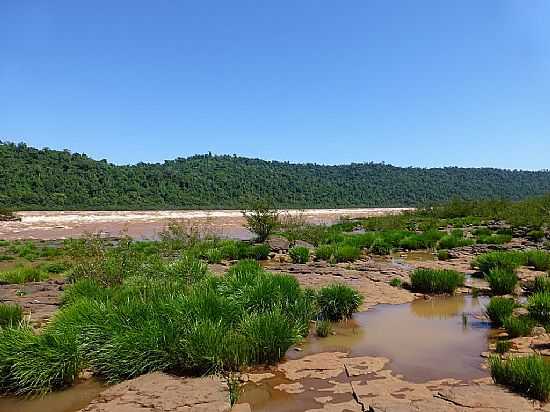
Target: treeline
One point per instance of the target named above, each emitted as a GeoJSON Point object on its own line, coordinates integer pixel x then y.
{"type": "Point", "coordinates": [49, 179]}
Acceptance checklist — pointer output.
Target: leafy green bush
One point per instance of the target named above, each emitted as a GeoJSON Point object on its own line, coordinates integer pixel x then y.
{"type": "Point", "coordinates": [10, 315]}
{"type": "Point", "coordinates": [261, 219]}
{"type": "Point", "coordinates": [536, 235]}
{"type": "Point", "coordinates": [338, 301]}
{"type": "Point", "coordinates": [299, 254]}
{"type": "Point", "coordinates": [499, 309]}
{"type": "Point", "coordinates": [539, 307]}
{"type": "Point", "coordinates": [436, 281]}
{"type": "Point", "coordinates": [502, 280]}
{"type": "Point", "coordinates": [529, 375]}
{"type": "Point", "coordinates": [323, 328]}
{"type": "Point", "coordinates": [396, 282]}
{"type": "Point", "coordinates": [443, 254]}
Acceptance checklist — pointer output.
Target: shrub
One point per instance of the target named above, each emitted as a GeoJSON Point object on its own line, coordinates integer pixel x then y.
{"type": "Point", "coordinates": [502, 280]}
{"type": "Point", "coordinates": [443, 254]}
{"type": "Point", "coordinates": [539, 259]}
{"type": "Point", "coordinates": [528, 375]}
{"type": "Point", "coordinates": [262, 220]}
{"type": "Point", "coordinates": [338, 301]}
{"type": "Point", "coordinates": [504, 260]}
{"type": "Point", "coordinates": [436, 281]}
{"type": "Point", "coordinates": [10, 315]}
{"type": "Point", "coordinates": [323, 328]}
{"type": "Point", "coordinates": [518, 326]}
{"type": "Point", "coordinates": [539, 307]}
{"type": "Point", "coordinates": [396, 282]}
{"type": "Point", "coordinates": [536, 235]}
{"type": "Point", "coordinates": [299, 254]}
{"type": "Point", "coordinates": [380, 247]}
{"type": "Point", "coordinates": [499, 309]}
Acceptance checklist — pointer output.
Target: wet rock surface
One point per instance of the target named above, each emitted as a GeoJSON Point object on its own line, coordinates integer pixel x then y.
{"type": "Point", "coordinates": [337, 382]}
{"type": "Point", "coordinates": [156, 392]}
{"type": "Point", "coordinates": [39, 300]}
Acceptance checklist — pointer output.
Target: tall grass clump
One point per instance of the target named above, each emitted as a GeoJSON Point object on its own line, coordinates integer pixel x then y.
{"type": "Point", "coordinates": [502, 280]}
{"type": "Point", "coordinates": [518, 326]}
{"type": "Point", "coordinates": [299, 254]}
{"type": "Point", "coordinates": [10, 315]}
{"type": "Point", "coordinates": [454, 240]}
{"type": "Point", "coordinates": [539, 259]}
{"type": "Point", "coordinates": [542, 284]}
{"type": "Point", "coordinates": [338, 301]}
{"type": "Point", "coordinates": [337, 253]}
{"type": "Point", "coordinates": [539, 307]}
{"type": "Point", "coordinates": [503, 260]}
{"type": "Point", "coordinates": [529, 375]}
{"type": "Point", "coordinates": [20, 275]}
{"type": "Point", "coordinates": [323, 328]}
{"type": "Point", "coordinates": [499, 309]}
{"type": "Point", "coordinates": [436, 281]}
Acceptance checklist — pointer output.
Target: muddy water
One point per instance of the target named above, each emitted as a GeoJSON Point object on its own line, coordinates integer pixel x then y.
{"type": "Point", "coordinates": [146, 224]}
{"type": "Point", "coordinates": [69, 400]}
{"type": "Point", "coordinates": [424, 340]}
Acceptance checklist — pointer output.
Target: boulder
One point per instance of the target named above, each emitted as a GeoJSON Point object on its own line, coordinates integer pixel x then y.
{"type": "Point", "coordinates": [302, 243]}
{"type": "Point", "coordinates": [278, 243]}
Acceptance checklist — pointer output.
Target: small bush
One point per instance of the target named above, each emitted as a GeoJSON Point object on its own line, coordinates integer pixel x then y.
{"type": "Point", "coordinates": [10, 315]}
{"type": "Point", "coordinates": [380, 247]}
{"type": "Point", "coordinates": [539, 307]}
{"type": "Point", "coordinates": [502, 281]}
{"type": "Point", "coordinates": [529, 375]}
{"type": "Point", "coordinates": [518, 326]}
{"type": "Point", "coordinates": [436, 281]}
{"type": "Point", "coordinates": [299, 254]}
{"type": "Point", "coordinates": [539, 259]}
{"type": "Point", "coordinates": [323, 328]}
{"type": "Point", "coordinates": [338, 301]}
{"type": "Point", "coordinates": [499, 309]}
{"type": "Point", "coordinates": [396, 282]}
{"type": "Point", "coordinates": [261, 219]}
{"type": "Point", "coordinates": [443, 254]}
{"type": "Point", "coordinates": [536, 235]}
{"type": "Point", "coordinates": [503, 346]}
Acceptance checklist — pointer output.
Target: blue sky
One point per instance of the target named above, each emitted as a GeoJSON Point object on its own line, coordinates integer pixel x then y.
{"type": "Point", "coordinates": [411, 83]}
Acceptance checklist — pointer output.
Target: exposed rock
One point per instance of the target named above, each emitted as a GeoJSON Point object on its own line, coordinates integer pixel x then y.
{"type": "Point", "coordinates": [538, 331]}
{"type": "Point", "coordinates": [517, 312]}
{"type": "Point", "coordinates": [301, 243]}
{"type": "Point", "coordinates": [278, 243]}
{"type": "Point", "coordinates": [157, 392]}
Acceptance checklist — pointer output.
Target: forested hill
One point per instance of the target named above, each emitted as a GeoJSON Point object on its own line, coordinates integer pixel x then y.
{"type": "Point", "coordinates": [48, 179]}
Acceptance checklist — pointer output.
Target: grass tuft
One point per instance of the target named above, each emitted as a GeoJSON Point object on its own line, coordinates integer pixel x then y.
{"type": "Point", "coordinates": [338, 301]}
{"type": "Point", "coordinates": [529, 375]}
{"type": "Point", "coordinates": [436, 281]}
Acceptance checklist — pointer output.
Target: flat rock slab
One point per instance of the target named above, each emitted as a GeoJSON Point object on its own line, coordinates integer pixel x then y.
{"type": "Point", "coordinates": [159, 392]}
{"type": "Point", "coordinates": [338, 382]}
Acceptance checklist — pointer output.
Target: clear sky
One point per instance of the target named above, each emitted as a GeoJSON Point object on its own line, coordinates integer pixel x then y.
{"type": "Point", "coordinates": [412, 83]}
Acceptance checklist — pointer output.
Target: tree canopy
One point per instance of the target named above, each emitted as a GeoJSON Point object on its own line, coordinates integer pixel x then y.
{"type": "Point", "coordinates": [44, 179]}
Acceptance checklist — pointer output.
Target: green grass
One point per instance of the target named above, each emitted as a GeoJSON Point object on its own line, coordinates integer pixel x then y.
{"type": "Point", "coordinates": [503, 260]}
{"type": "Point", "coordinates": [299, 254]}
{"type": "Point", "coordinates": [529, 375]}
{"type": "Point", "coordinates": [10, 315]}
{"type": "Point", "coordinates": [396, 282]}
{"type": "Point", "coordinates": [542, 284]}
{"type": "Point", "coordinates": [443, 254]}
{"type": "Point", "coordinates": [436, 281]}
{"type": "Point", "coordinates": [22, 274]}
{"type": "Point", "coordinates": [338, 301]}
{"type": "Point", "coordinates": [539, 259]}
{"type": "Point", "coordinates": [502, 281]}
{"type": "Point", "coordinates": [536, 235]}
{"type": "Point", "coordinates": [323, 328]}
{"type": "Point", "coordinates": [503, 346]}
{"type": "Point", "coordinates": [494, 239]}
{"type": "Point", "coordinates": [453, 241]}
{"type": "Point", "coordinates": [499, 309]}
{"type": "Point", "coordinates": [336, 253]}
{"type": "Point", "coordinates": [518, 326]}
{"type": "Point", "coordinates": [539, 307]}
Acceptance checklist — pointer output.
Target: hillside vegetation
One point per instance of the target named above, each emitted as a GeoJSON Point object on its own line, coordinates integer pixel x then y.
{"type": "Point", "coordinates": [49, 179]}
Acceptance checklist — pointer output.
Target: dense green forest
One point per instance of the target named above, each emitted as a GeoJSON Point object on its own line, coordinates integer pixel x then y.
{"type": "Point", "coordinates": [50, 179]}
